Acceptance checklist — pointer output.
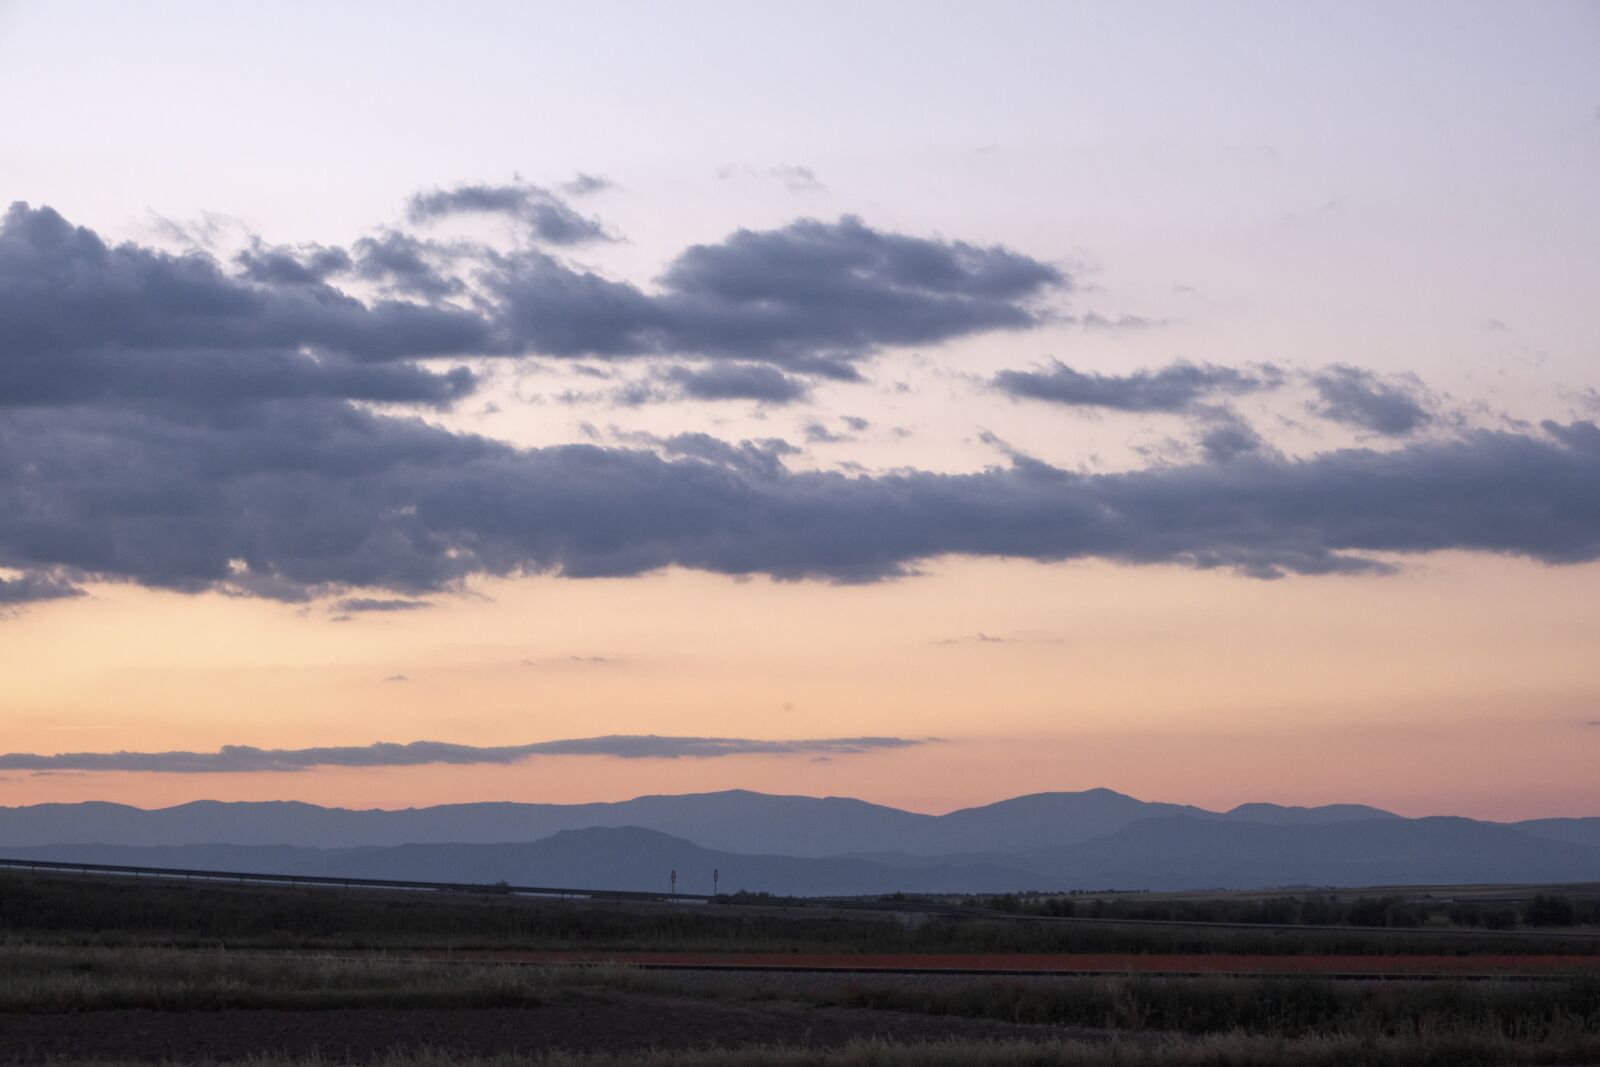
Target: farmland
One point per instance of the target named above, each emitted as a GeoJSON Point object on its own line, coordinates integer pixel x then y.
{"type": "Point", "coordinates": [97, 970]}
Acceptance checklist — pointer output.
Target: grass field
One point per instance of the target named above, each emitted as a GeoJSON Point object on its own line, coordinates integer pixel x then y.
{"type": "Point", "coordinates": [106, 972]}
{"type": "Point", "coordinates": [117, 911]}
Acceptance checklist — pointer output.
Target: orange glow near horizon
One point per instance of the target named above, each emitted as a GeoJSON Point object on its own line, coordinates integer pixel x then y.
{"type": "Point", "coordinates": [1464, 685]}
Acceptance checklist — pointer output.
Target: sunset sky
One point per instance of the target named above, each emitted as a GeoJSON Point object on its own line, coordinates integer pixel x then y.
{"type": "Point", "coordinates": [925, 403]}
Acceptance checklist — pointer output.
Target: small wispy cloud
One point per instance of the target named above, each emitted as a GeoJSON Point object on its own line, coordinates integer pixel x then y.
{"type": "Point", "coordinates": [794, 178]}
{"type": "Point", "coordinates": [381, 604]}
{"type": "Point", "coordinates": [979, 638]}
{"type": "Point", "coordinates": [247, 759]}
{"type": "Point", "coordinates": [552, 661]}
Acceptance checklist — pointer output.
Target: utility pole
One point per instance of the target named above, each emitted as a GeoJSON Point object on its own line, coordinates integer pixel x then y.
{"type": "Point", "coordinates": [715, 874]}
{"type": "Point", "coordinates": [674, 881]}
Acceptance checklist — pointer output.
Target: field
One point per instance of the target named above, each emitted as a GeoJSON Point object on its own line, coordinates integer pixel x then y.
{"type": "Point", "coordinates": [116, 971]}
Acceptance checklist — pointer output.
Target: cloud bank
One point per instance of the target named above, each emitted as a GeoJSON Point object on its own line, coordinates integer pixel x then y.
{"type": "Point", "coordinates": [811, 297]}
{"type": "Point", "coordinates": [247, 759]}
{"type": "Point", "coordinates": [167, 423]}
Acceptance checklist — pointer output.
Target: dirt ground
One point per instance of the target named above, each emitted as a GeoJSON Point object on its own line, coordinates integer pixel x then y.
{"type": "Point", "coordinates": [602, 1021]}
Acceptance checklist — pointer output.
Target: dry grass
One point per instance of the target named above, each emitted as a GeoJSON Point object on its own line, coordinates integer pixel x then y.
{"type": "Point", "coordinates": [41, 980]}
{"type": "Point", "coordinates": [52, 979]}
{"type": "Point", "coordinates": [1233, 1050]}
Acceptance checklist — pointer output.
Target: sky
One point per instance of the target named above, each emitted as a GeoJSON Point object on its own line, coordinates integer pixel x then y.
{"type": "Point", "coordinates": [930, 403]}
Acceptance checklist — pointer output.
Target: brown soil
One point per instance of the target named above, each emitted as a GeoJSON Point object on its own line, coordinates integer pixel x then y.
{"type": "Point", "coordinates": [1059, 963]}
{"type": "Point", "coordinates": [576, 1021]}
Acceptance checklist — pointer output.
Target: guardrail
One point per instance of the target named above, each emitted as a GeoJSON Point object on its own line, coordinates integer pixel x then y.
{"type": "Point", "coordinates": [336, 882]}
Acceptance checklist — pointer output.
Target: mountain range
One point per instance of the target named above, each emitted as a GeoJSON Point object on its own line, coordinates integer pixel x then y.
{"type": "Point", "coordinates": [821, 846]}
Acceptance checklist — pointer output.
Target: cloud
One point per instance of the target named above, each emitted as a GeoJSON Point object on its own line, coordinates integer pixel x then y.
{"type": "Point", "coordinates": [31, 587]}
{"type": "Point", "coordinates": [208, 381]}
{"type": "Point", "coordinates": [586, 184]}
{"type": "Point", "coordinates": [735, 381]}
{"type": "Point", "coordinates": [1175, 388]}
{"type": "Point", "coordinates": [280, 265]}
{"type": "Point", "coordinates": [1226, 435]}
{"type": "Point", "coordinates": [247, 759]}
{"type": "Point", "coordinates": [794, 178]}
{"type": "Point", "coordinates": [810, 297]}
{"type": "Point", "coordinates": [407, 264]}
{"type": "Point", "coordinates": [587, 661]}
{"type": "Point", "coordinates": [65, 294]}
{"type": "Point", "coordinates": [376, 604]}
{"type": "Point", "coordinates": [1359, 398]}
{"type": "Point", "coordinates": [979, 638]}
{"type": "Point", "coordinates": [168, 424]}
{"type": "Point", "coordinates": [1093, 320]}
{"type": "Point", "coordinates": [78, 315]}
{"type": "Point", "coordinates": [311, 498]}
{"type": "Point", "coordinates": [548, 216]}
{"type": "Point", "coordinates": [397, 678]}
{"type": "Point", "coordinates": [761, 458]}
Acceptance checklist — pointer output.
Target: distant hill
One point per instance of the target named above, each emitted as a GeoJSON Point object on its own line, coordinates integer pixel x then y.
{"type": "Point", "coordinates": [733, 821]}
{"type": "Point", "coordinates": [1093, 839]}
{"type": "Point", "coordinates": [1183, 852]}
{"type": "Point", "coordinates": [1165, 852]}
{"type": "Point", "coordinates": [1573, 831]}
{"type": "Point", "coordinates": [608, 858]}
{"type": "Point", "coordinates": [736, 820]}
{"type": "Point", "coordinates": [1281, 814]}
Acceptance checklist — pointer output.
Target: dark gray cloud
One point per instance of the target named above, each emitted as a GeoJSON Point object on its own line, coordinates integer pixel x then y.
{"type": "Point", "coordinates": [1226, 435]}
{"type": "Point", "coordinates": [31, 587]}
{"type": "Point", "coordinates": [817, 433]}
{"type": "Point", "coordinates": [146, 441]}
{"type": "Point", "coordinates": [1360, 398]}
{"type": "Point", "coordinates": [300, 499]}
{"type": "Point", "coordinates": [549, 217]}
{"type": "Point", "coordinates": [381, 604]}
{"type": "Point", "coordinates": [1175, 388]}
{"type": "Point", "coordinates": [810, 297]}
{"type": "Point", "coordinates": [63, 291]}
{"type": "Point", "coordinates": [735, 381]}
{"type": "Point", "coordinates": [283, 265]}
{"type": "Point", "coordinates": [210, 380]}
{"type": "Point", "coordinates": [407, 264]}
{"type": "Point", "coordinates": [710, 382]}
{"type": "Point", "coordinates": [763, 457]}
{"type": "Point", "coordinates": [247, 759]}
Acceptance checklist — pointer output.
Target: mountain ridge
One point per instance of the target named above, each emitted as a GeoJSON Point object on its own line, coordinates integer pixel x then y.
{"type": "Point", "coordinates": [1170, 852]}
{"type": "Point", "coordinates": [733, 820]}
